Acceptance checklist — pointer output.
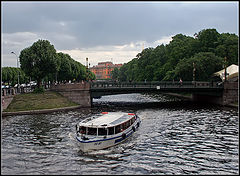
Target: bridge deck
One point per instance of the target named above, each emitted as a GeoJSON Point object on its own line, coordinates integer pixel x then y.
{"type": "Point", "coordinates": [109, 88]}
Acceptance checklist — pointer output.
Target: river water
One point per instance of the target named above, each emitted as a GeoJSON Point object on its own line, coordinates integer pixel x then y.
{"type": "Point", "coordinates": [175, 137]}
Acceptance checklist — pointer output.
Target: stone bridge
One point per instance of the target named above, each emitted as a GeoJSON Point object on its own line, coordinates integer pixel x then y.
{"type": "Point", "coordinates": [83, 93]}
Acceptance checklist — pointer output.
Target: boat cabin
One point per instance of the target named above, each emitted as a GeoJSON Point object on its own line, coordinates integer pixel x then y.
{"type": "Point", "coordinates": [108, 124]}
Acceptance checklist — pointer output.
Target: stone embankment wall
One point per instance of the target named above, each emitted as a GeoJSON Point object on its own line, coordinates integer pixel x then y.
{"type": "Point", "coordinates": [9, 93]}
{"type": "Point", "coordinates": [6, 100]}
{"type": "Point", "coordinates": [77, 92]}
{"type": "Point", "coordinates": [230, 93]}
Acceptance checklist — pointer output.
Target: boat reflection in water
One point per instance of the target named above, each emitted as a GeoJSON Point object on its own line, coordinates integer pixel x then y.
{"type": "Point", "coordinates": [106, 130]}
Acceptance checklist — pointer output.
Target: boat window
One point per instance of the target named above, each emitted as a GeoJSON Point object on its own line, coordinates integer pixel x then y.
{"type": "Point", "coordinates": [92, 131]}
{"type": "Point", "coordinates": [128, 124]}
{"type": "Point", "coordinates": [82, 130]}
{"type": "Point", "coordinates": [102, 131]}
{"type": "Point", "coordinates": [133, 120]}
{"type": "Point", "coordinates": [124, 126]}
{"type": "Point", "coordinates": [110, 130]}
{"type": "Point", "coordinates": [117, 129]}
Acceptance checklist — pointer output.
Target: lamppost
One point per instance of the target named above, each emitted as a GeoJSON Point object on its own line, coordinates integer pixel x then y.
{"type": "Point", "coordinates": [194, 71]}
{"type": "Point", "coordinates": [87, 69]}
{"type": "Point", "coordinates": [86, 62]}
{"type": "Point", "coordinates": [194, 74]}
{"type": "Point", "coordinates": [225, 69]}
{"type": "Point", "coordinates": [17, 66]}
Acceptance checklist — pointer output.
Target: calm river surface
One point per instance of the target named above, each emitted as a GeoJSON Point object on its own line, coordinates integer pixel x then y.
{"type": "Point", "coordinates": [174, 137]}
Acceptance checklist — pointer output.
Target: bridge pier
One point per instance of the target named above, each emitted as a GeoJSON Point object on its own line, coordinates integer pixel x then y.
{"type": "Point", "coordinates": [229, 95]}
{"type": "Point", "coordinates": [78, 92]}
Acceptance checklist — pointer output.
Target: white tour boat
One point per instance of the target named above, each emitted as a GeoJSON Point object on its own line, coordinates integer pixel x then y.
{"type": "Point", "coordinates": [106, 130]}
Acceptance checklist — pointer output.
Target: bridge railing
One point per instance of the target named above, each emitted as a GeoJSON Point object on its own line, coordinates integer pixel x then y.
{"type": "Point", "coordinates": [161, 84]}
{"type": "Point", "coordinates": [17, 90]}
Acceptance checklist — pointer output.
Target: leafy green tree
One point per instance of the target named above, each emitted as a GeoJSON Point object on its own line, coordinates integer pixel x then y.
{"type": "Point", "coordinates": [10, 76]}
{"type": "Point", "coordinates": [23, 78]}
{"type": "Point", "coordinates": [39, 60]}
{"type": "Point", "coordinates": [228, 47]}
{"type": "Point", "coordinates": [65, 70]}
{"type": "Point", "coordinates": [7, 75]}
{"type": "Point", "coordinates": [167, 70]}
{"type": "Point", "coordinates": [92, 76]}
{"type": "Point", "coordinates": [180, 47]}
{"type": "Point", "coordinates": [123, 73]}
{"type": "Point", "coordinates": [144, 60]}
{"type": "Point", "coordinates": [167, 62]}
{"type": "Point", "coordinates": [132, 70]}
{"type": "Point", "coordinates": [115, 73]}
{"type": "Point", "coordinates": [208, 39]}
{"type": "Point", "coordinates": [169, 75]}
{"type": "Point", "coordinates": [206, 63]}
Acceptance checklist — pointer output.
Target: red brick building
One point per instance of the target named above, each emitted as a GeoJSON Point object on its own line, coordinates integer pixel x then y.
{"type": "Point", "coordinates": [103, 69]}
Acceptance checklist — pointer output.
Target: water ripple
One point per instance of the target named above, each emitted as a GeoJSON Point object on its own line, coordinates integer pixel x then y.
{"type": "Point", "coordinates": [171, 140]}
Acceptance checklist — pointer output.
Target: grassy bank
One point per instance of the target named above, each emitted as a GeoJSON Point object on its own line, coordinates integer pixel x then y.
{"type": "Point", "coordinates": [32, 101]}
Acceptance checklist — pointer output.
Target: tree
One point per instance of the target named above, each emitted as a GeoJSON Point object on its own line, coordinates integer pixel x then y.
{"type": "Point", "coordinates": [10, 76]}
{"type": "Point", "coordinates": [39, 60]}
{"type": "Point", "coordinates": [115, 74]}
{"type": "Point", "coordinates": [122, 72]}
{"type": "Point", "coordinates": [167, 62]}
{"type": "Point", "coordinates": [65, 70]}
{"type": "Point", "coordinates": [7, 75]}
{"type": "Point", "coordinates": [180, 47]}
{"type": "Point", "coordinates": [228, 47]}
{"type": "Point", "coordinates": [208, 39]}
{"type": "Point", "coordinates": [206, 63]}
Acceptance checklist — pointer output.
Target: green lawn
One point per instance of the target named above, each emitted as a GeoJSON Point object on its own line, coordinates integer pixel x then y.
{"type": "Point", "coordinates": [32, 101]}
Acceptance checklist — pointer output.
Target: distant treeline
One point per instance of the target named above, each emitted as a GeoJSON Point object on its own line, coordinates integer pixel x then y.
{"type": "Point", "coordinates": [205, 52]}
{"type": "Point", "coordinates": [69, 69]}
{"type": "Point", "coordinates": [10, 76]}
{"type": "Point", "coordinates": [41, 63]}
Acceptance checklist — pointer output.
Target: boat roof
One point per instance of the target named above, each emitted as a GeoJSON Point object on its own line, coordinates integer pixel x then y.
{"type": "Point", "coordinates": [107, 119]}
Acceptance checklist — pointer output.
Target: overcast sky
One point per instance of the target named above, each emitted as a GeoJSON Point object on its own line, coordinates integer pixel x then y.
{"type": "Point", "coordinates": [108, 31]}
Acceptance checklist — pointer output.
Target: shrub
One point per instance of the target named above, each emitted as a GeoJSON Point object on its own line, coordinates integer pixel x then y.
{"type": "Point", "coordinates": [39, 90]}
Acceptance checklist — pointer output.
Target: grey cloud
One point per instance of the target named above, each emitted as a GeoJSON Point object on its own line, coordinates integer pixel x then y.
{"type": "Point", "coordinates": [70, 25]}
{"type": "Point", "coordinates": [104, 23]}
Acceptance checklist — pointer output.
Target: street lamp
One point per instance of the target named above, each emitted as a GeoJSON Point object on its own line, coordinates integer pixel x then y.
{"type": "Point", "coordinates": [194, 71]}
{"type": "Point", "coordinates": [194, 74]}
{"type": "Point", "coordinates": [87, 63]}
{"type": "Point", "coordinates": [17, 65]}
{"type": "Point", "coordinates": [225, 69]}
{"type": "Point", "coordinates": [87, 69]}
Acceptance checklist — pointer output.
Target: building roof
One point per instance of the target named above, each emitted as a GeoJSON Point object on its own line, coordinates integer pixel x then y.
{"type": "Point", "coordinates": [232, 72]}
{"type": "Point", "coordinates": [105, 65]}
{"type": "Point", "coordinates": [107, 119]}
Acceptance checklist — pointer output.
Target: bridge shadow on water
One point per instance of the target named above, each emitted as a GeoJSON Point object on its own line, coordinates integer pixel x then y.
{"type": "Point", "coordinates": [134, 106]}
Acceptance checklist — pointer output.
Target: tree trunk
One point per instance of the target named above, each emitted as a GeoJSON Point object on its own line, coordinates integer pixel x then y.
{"type": "Point", "coordinates": [39, 82]}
